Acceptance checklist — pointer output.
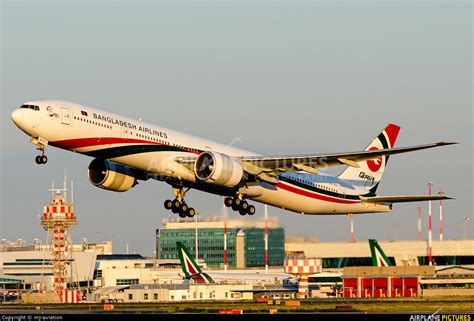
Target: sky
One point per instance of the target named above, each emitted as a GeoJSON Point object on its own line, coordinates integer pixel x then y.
{"type": "Point", "coordinates": [284, 77]}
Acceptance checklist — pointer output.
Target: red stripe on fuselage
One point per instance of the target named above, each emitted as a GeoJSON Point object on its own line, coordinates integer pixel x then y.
{"type": "Point", "coordinates": [314, 195]}
{"type": "Point", "coordinates": [96, 141]}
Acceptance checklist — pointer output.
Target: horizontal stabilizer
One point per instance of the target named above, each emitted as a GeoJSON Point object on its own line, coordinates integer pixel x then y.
{"type": "Point", "coordinates": [404, 199]}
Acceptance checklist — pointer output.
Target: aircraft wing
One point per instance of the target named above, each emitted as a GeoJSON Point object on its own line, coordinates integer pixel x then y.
{"type": "Point", "coordinates": [265, 167]}
{"type": "Point", "coordinates": [330, 159]}
{"type": "Point", "coordinates": [404, 199]}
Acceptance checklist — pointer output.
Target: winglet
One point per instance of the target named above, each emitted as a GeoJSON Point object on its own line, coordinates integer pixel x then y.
{"type": "Point", "coordinates": [446, 143]}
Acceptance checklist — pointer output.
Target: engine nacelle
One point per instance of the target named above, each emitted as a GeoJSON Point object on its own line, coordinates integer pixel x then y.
{"type": "Point", "coordinates": [111, 176]}
{"type": "Point", "coordinates": [218, 169]}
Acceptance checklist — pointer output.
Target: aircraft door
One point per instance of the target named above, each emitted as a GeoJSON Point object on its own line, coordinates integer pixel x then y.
{"type": "Point", "coordinates": [65, 116]}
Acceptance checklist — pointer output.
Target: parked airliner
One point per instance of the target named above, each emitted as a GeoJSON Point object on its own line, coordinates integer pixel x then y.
{"type": "Point", "coordinates": [192, 271]}
{"type": "Point", "coordinates": [126, 151]}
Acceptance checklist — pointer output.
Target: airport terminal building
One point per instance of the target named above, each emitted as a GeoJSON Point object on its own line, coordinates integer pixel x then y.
{"type": "Point", "coordinates": [338, 255]}
{"type": "Point", "coordinates": [245, 242]}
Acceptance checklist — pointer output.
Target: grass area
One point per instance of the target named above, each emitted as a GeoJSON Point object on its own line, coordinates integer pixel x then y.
{"type": "Point", "coordinates": [451, 304]}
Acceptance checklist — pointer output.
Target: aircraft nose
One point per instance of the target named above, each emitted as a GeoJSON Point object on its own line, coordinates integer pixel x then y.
{"type": "Point", "coordinates": [17, 117]}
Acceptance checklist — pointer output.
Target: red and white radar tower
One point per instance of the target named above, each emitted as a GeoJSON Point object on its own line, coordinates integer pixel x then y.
{"type": "Point", "coordinates": [58, 219]}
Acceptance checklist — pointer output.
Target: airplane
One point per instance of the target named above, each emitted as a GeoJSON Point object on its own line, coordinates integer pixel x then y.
{"type": "Point", "coordinates": [192, 271]}
{"type": "Point", "coordinates": [126, 151]}
{"type": "Point", "coordinates": [378, 256]}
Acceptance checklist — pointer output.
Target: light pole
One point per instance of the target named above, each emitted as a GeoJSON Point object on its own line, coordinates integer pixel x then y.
{"type": "Point", "coordinates": [440, 217]}
{"type": "Point", "coordinates": [196, 236]}
{"type": "Point", "coordinates": [430, 240]}
{"type": "Point", "coordinates": [266, 239]}
{"type": "Point", "coordinates": [465, 219]}
{"type": "Point", "coordinates": [420, 235]}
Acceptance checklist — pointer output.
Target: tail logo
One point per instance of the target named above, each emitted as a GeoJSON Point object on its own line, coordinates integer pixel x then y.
{"type": "Point", "coordinates": [378, 256]}
{"type": "Point", "coordinates": [374, 164]}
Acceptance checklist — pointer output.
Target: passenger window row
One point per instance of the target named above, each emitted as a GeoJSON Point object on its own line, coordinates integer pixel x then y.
{"type": "Point", "coordinates": [326, 188]}
{"type": "Point", "coordinates": [92, 122]}
{"type": "Point", "coordinates": [154, 139]}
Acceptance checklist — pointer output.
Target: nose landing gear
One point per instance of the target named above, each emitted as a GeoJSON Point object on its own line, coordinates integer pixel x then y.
{"type": "Point", "coordinates": [40, 145]}
{"type": "Point", "coordinates": [41, 159]}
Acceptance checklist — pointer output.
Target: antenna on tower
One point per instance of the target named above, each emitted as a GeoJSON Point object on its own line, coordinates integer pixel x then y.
{"type": "Point", "coordinates": [64, 187]}
{"type": "Point", "coordinates": [58, 191]}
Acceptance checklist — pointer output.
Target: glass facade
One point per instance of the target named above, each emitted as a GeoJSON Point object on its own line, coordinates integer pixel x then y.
{"type": "Point", "coordinates": [211, 245]}
{"type": "Point", "coordinates": [340, 262]}
{"type": "Point", "coordinates": [127, 281]}
{"type": "Point", "coordinates": [255, 247]}
{"type": "Point", "coordinates": [447, 260]}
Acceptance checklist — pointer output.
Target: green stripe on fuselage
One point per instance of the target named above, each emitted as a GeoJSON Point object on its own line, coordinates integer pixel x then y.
{"type": "Point", "coordinates": [323, 191]}
{"type": "Point", "coordinates": [119, 151]}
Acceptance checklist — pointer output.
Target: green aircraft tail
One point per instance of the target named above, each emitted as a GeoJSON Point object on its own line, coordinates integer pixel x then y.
{"type": "Point", "coordinates": [378, 256]}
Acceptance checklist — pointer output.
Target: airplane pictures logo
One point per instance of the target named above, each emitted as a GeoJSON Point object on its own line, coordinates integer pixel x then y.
{"type": "Point", "coordinates": [374, 164]}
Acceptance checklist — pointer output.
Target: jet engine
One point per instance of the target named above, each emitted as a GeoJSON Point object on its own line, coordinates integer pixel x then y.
{"type": "Point", "coordinates": [218, 169]}
{"type": "Point", "coordinates": [111, 176]}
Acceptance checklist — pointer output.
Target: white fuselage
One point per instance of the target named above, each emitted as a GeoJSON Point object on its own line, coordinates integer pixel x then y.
{"type": "Point", "coordinates": [154, 150]}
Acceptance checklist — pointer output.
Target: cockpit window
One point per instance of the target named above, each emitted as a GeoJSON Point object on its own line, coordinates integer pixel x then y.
{"type": "Point", "coordinates": [34, 107]}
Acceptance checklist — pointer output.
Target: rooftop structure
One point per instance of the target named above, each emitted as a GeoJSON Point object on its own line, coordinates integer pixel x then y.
{"type": "Point", "coordinates": [401, 253]}
{"type": "Point", "coordinates": [219, 223]}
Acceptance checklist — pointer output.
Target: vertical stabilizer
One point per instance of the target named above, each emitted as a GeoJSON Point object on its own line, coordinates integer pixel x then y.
{"type": "Point", "coordinates": [190, 268]}
{"type": "Point", "coordinates": [378, 256]}
{"type": "Point", "coordinates": [369, 172]}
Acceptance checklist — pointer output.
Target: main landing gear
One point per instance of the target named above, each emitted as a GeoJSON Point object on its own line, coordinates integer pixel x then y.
{"type": "Point", "coordinates": [178, 205]}
{"type": "Point", "coordinates": [239, 205]}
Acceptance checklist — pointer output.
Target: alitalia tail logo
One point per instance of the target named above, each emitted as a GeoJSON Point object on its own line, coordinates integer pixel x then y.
{"type": "Point", "coordinates": [190, 268]}
{"type": "Point", "coordinates": [378, 256]}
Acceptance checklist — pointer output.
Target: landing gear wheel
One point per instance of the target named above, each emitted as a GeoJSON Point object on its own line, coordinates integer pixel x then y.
{"type": "Point", "coordinates": [191, 212]}
{"type": "Point", "coordinates": [242, 211]}
{"type": "Point", "coordinates": [237, 201]}
{"type": "Point", "coordinates": [235, 207]}
{"type": "Point", "coordinates": [182, 214]}
{"type": "Point", "coordinates": [183, 208]}
{"type": "Point", "coordinates": [176, 206]}
{"type": "Point", "coordinates": [176, 203]}
{"type": "Point", "coordinates": [168, 204]}
{"type": "Point", "coordinates": [41, 159]}
{"type": "Point", "coordinates": [251, 210]}
{"type": "Point", "coordinates": [244, 205]}
{"type": "Point", "coordinates": [228, 202]}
